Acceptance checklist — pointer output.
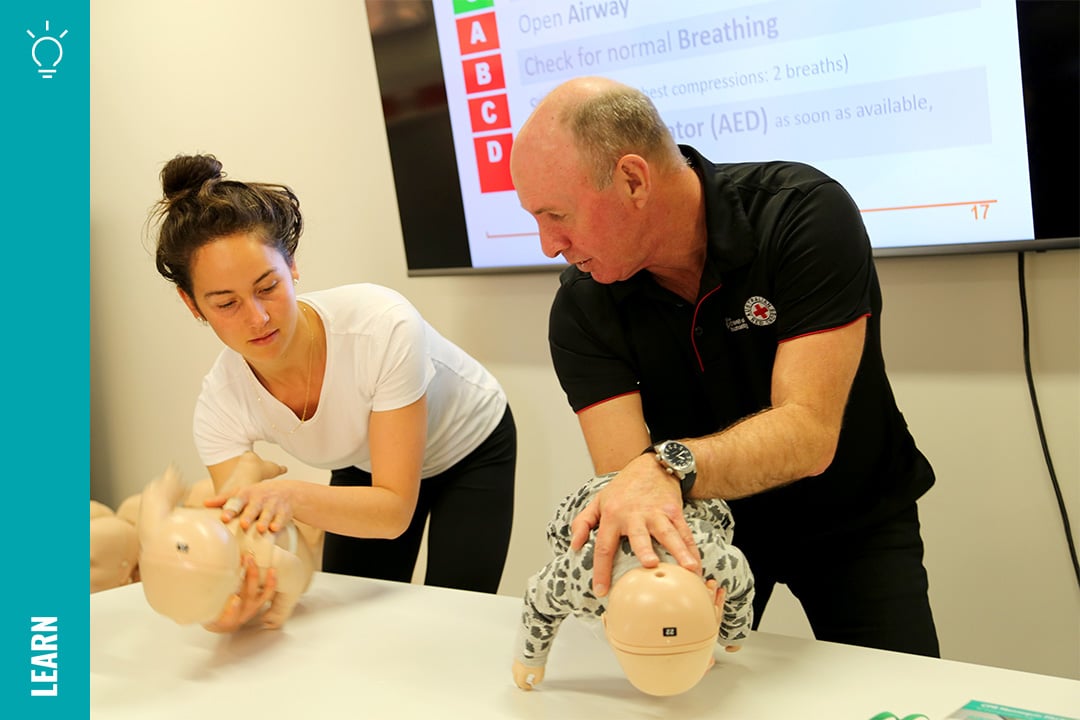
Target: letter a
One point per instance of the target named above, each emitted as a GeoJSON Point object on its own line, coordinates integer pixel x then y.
{"type": "Point", "coordinates": [477, 35]}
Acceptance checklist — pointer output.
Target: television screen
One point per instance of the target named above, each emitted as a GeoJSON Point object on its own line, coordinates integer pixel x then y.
{"type": "Point", "coordinates": [952, 123]}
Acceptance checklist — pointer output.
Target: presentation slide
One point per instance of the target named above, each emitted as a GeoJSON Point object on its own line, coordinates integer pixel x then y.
{"type": "Point", "coordinates": [916, 107]}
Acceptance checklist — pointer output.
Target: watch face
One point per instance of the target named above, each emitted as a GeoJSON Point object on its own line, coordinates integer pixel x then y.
{"type": "Point", "coordinates": [678, 456]}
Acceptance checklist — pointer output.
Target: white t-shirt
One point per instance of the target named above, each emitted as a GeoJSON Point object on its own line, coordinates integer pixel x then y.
{"type": "Point", "coordinates": [380, 355]}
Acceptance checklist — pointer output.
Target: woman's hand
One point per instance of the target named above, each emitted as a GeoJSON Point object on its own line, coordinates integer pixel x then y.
{"type": "Point", "coordinates": [248, 602]}
{"type": "Point", "coordinates": [268, 505]}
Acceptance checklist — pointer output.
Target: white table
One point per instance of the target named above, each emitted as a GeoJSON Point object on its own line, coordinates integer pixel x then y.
{"type": "Point", "coordinates": [358, 648]}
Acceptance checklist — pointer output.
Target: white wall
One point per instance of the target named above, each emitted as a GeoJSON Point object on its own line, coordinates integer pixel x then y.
{"type": "Point", "coordinates": [286, 91]}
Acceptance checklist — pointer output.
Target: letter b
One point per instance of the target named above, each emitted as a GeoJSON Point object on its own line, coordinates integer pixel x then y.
{"type": "Point", "coordinates": [482, 74]}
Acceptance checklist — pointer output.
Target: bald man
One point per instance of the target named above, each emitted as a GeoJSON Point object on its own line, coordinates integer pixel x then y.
{"type": "Point", "coordinates": [718, 334]}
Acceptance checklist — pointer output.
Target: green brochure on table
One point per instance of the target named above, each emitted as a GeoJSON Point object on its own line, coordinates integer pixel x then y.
{"type": "Point", "coordinates": [979, 710]}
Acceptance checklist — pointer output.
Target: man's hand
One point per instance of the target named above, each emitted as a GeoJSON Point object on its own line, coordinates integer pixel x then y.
{"type": "Point", "coordinates": [642, 502]}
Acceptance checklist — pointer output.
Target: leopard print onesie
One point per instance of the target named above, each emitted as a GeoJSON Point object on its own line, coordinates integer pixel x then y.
{"type": "Point", "coordinates": [564, 586]}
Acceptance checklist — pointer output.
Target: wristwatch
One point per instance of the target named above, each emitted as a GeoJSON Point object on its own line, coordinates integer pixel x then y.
{"type": "Point", "coordinates": [677, 459]}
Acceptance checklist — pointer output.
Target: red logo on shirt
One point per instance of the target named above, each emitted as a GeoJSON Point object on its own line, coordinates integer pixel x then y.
{"type": "Point", "coordinates": [760, 311]}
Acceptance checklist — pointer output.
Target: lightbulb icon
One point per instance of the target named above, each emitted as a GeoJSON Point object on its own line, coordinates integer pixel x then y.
{"type": "Point", "coordinates": [43, 49]}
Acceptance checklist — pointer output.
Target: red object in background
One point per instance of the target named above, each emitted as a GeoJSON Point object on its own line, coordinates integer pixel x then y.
{"type": "Point", "coordinates": [483, 74]}
{"type": "Point", "coordinates": [477, 34]}
{"type": "Point", "coordinates": [489, 113]}
{"type": "Point", "coordinates": [493, 162]}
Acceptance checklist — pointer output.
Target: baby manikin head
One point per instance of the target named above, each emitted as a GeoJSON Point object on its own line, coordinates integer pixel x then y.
{"type": "Point", "coordinates": [662, 624]}
{"type": "Point", "coordinates": [190, 561]}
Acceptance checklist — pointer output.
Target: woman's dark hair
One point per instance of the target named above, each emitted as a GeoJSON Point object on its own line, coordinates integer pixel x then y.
{"type": "Point", "coordinates": [200, 205]}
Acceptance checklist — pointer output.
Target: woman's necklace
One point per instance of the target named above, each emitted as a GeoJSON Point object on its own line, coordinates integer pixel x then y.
{"type": "Point", "coordinates": [310, 358]}
{"type": "Point", "coordinates": [307, 384]}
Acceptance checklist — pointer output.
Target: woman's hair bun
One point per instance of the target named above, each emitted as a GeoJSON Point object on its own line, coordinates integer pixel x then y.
{"type": "Point", "coordinates": [187, 173]}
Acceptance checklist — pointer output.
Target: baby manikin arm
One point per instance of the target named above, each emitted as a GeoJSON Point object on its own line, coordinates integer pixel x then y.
{"type": "Point", "coordinates": [720, 594]}
{"type": "Point", "coordinates": [527, 677]}
{"type": "Point", "coordinates": [248, 470]}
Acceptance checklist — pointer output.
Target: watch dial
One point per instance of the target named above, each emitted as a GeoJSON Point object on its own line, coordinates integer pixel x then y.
{"type": "Point", "coordinates": [677, 455]}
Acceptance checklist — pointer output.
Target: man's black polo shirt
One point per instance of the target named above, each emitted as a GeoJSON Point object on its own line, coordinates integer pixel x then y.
{"type": "Point", "coordinates": [788, 255]}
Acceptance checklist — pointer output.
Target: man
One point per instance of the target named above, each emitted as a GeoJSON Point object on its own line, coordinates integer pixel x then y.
{"type": "Point", "coordinates": [733, 309]}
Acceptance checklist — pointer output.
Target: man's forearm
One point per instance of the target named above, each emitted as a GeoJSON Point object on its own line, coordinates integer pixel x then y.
{"type": "Point", "coordinates": [764, 451]}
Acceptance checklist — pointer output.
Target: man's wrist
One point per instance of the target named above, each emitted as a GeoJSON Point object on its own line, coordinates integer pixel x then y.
{"type": "Point", "coordinates": [678, 461]}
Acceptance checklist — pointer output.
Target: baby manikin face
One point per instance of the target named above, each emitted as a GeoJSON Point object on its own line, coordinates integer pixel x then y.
{"type": "Point", "coordinates": [662, 624]}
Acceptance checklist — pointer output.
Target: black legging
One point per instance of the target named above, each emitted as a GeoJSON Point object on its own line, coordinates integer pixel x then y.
{"type": "Point", "coordinates": [865, 587]}
{"type": "Point", "coordinates": [471, 508]}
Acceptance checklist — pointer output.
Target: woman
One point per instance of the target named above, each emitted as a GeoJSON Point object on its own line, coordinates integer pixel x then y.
{"type": "Point", "coordinates": [350, 379]}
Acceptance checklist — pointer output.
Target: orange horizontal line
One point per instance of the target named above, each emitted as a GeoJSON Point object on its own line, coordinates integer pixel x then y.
{"type": "Point", "coordinates": [498, 236]}
{"type": "Point", "coordinates": [932, 205]}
